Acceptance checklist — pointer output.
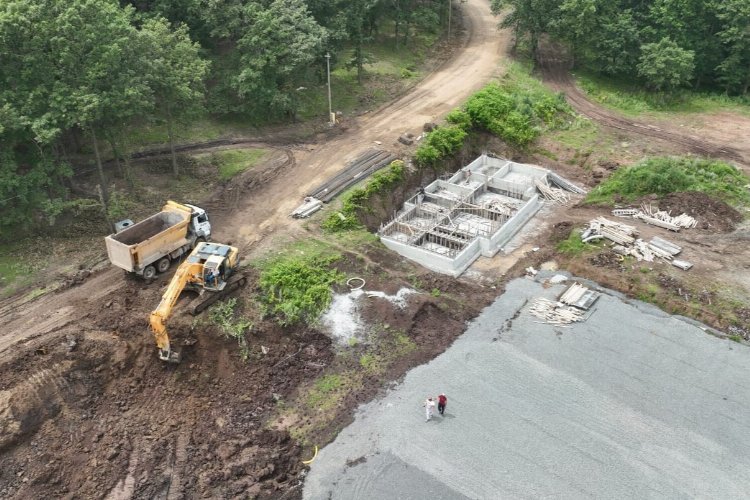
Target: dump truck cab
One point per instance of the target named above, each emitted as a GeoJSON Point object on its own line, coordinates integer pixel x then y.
{"type": "Point", "coordinates": [199, 223]}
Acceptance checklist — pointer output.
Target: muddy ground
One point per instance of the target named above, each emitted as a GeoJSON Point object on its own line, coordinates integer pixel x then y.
{"type": "Point", "coordinates": [86, 409]}
{"type": "Point", "coordinates": [93, 414]}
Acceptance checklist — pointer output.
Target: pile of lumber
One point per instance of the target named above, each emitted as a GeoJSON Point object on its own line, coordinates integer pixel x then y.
{"type": "Point", "coordinates": [579, 296]}
{"type": "Point", "coordinates": [601, 227]}
{"type": "Point", "coordinates": [550, 193]}
{"type": "Point", "coordinates": [627, 243]}
{"type": "Point", "coordinates": [656, 217]}
{"type": "Point", "coordinates": [554, 313]}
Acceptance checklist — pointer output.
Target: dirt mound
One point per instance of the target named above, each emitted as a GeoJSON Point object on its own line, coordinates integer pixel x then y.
{"type": "Point", "coordinates": [712, 215]}
{"type": "Point", "coordinates": [608, 259]}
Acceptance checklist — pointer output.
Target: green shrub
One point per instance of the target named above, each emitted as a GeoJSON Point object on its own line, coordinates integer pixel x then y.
{"type": "Point", "coordinates": [381, 183]}
{"type": "Point", "coordinates": [664, 175]}
{"type": "Point", "coordinates": [516, 113]}
{"type": "Point", "coordinates": [298, 288]}
{"type": "Point", "coordinates": [223, 316]}
{"type": "Point", "coordinates": [460, 118]}
{"type": "Point", "coordinates": [440, 143]}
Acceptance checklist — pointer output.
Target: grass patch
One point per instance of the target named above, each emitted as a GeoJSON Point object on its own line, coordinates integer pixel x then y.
{"type": "Point", "coordinates": [201, 129]}
{"type": "Point", "coordinates": [392, 69]}
{"type": "Point", "coordinates": [296, 285]}
{"type": "Point", "coordinates": [234, 161]}
{"type": "Point", "coordinates": [573, 245]}
{"type": "Point", "coordinates": [664, 175]}
{"type": "Point", "coordinates": [328, 390]}
{"type": "Point", "coordinates": [630, 98]}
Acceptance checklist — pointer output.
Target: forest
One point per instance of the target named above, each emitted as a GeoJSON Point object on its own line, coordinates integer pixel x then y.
{"type": "Point", "coordinates": [665, 43]}
{"type": "Point", "coordinates": [77, 76]}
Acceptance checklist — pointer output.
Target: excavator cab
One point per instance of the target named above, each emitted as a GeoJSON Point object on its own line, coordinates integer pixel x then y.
{"type": "Point", "coordinates": [214, 278]}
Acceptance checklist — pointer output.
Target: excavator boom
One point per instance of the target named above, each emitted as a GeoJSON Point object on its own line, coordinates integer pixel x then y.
{"type": "Point", "coordinates": [209, 267]}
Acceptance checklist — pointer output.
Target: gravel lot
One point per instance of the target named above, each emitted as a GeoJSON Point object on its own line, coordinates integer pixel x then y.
{"type": "Point", "coordinates": [631, 403]}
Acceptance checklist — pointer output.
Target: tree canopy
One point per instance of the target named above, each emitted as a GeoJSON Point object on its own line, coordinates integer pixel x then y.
{"type": "Point", "coordinates": [79, 75]}
{"type": "Point", "coordinates": [666, 42]}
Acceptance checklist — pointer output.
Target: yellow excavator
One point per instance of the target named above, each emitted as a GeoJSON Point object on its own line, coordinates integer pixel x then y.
{"type": "Point", "coordinates": [210, 269]}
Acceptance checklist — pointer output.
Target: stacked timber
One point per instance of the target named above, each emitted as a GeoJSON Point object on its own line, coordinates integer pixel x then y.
{"type": "Point", "coordinates": [626, 243]}
{"type": "Point", "coordinates": [554, 313]}
{"type": "Point", "coordinates": [550, 193]}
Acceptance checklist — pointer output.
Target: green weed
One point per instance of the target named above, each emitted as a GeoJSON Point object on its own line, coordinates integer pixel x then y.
{"type": "Point", "coordinates": [223, 315]}
{"type": "Point", "coordinates": [573, 245]}
{"type": "Point", "coordinates": [356, 199]}
{"type": "Point", "coordinates": [234, 161]}
{"type": "Point", "coordinates": [296, 285]}
{"type": "Point", "coordinates": [664, 175]}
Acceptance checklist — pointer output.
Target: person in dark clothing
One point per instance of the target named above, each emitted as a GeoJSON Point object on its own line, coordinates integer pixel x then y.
{"type": "Point", "coordinates": [442, 402]}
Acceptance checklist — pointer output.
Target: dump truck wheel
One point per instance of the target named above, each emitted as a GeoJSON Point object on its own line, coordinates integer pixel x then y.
{"type": "Point", "coordinates": [149, 272]}
{"type": "Point", "coordinates": [163, 265]}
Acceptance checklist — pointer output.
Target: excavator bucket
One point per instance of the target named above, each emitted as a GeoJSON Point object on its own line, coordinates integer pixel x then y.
{"type": "Point", "coordinates": [169, 356]}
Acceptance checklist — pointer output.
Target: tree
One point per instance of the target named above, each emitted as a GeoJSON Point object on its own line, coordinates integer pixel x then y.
{"type": "Point", "coordinates": [279, 45]}
{"type": "Point", "coordinates": [64, 65]}
{"type": "Point", "coordinates": [665, 65]}
{"type": "Point", "coordinates": [174, 71]}
{"type": "Point", "coordinates": [531, 18]}
{"type": "Point", "coordinates": [357, 14]}
{"type": "Point", "coordinates": [734, 70]}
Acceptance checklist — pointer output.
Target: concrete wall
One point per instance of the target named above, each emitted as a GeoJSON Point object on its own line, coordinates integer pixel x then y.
{"type": "Point", "coordinates": [480, 245]}
{"type": "Point", "coordinates": [510, 228]}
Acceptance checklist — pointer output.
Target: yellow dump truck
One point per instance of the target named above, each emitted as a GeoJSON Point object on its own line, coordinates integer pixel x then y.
{"type": "Point", "coordinates": [151, 245]}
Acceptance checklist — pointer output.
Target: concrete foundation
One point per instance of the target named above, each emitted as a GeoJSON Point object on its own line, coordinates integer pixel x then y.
{"type": "Point", "coordinates": [474, 212]}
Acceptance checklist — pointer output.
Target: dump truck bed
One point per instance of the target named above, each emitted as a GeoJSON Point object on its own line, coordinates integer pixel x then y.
{"type": "Point", "coordinates": [151, 239]}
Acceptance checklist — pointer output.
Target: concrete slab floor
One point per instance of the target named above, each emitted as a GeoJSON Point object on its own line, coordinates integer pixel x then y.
{"type": "Point", "coordinates": [632, 403]}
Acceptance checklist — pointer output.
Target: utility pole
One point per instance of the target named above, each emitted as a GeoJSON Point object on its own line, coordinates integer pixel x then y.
{"type": "Point", "coordinates": [331, 119]}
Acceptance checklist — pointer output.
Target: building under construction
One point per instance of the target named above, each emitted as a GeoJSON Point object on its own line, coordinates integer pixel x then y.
{"type": "Point", "coordinates": [474, 212]}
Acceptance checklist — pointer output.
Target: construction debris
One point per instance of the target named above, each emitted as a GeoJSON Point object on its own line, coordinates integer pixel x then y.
{"type": "Point", "coordinates": [659, 218]}
{"type": "Point", "coordinates": [309, 207]}
{"type": "Point", "coordinates": [564, 184]}
{"type": "Point", "coordinates": [579, 296]}
{"type": "Point", "coordinates": [682, 264]}
{"type": "Point", "coordinates": [626, 243]}
{"type": "Point", "coordinates": [555, 313]}
{"type": "Point", "coordinates": [665, 245]}
{"type": "Point", "coordinates": [551, 193]}
{"type": "Point", "coordinates": [624, 212]}
{"type": "Point", "coordinates": [362, 166]}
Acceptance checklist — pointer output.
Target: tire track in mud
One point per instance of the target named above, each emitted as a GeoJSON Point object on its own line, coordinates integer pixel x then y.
{"type": "Point", "coordinates": [556, 74]}
{"type": "Point", "coordinates": [25, 406]}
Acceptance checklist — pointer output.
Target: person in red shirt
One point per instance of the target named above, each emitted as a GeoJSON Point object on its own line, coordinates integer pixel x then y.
{"type": "Point", "coordinates": [442, 401]}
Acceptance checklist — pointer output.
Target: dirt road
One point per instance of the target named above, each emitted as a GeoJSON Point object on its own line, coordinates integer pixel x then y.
{"type": "Point", "coordinates": [555, 72]}
{"type": "Point", "coordinates": [255, 213]}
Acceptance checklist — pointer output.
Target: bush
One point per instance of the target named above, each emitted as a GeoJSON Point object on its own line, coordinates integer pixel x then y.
{"type": "Point", "coordinates": [357, 199]}
{"type": "Point", "coordinates": [460, 118]}
{"type": "Point", "coordinates": [298, 288]}
{"type": "Point", "coordinates": [440, 143]}
{"type": "Point", "coordinates": [514, 113]}
{"type": "Point", "coordinates": [664, 175]}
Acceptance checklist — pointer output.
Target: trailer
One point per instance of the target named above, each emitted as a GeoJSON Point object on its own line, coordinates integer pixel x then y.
{"type": "Point", "coordinates": [152, 244]}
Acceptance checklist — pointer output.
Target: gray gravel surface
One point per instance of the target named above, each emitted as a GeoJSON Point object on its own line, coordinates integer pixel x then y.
{"type": "Point", "coordinates": [631, 403]}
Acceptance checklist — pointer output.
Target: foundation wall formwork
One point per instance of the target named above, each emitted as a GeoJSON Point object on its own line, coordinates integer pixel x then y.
{"type": "Point", "coordinates": [474, 212]}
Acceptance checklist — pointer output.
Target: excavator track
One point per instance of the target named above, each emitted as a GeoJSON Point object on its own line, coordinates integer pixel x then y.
{"type": "Point", "coordinates": [235, 283]}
